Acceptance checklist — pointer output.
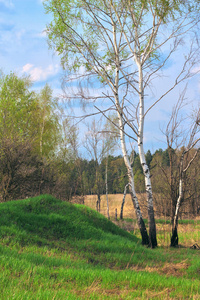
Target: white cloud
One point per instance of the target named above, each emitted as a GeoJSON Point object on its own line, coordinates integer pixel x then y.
{"type": "Point", "coordinates": [41, 34]}
{"type": "Point", "coordinates": [39, 73]}
{"type": "Point", "coordinates": [27, 68]}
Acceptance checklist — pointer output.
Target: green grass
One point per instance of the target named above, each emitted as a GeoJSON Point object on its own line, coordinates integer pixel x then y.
{"type": "Point", "coordinates": [51, 249]}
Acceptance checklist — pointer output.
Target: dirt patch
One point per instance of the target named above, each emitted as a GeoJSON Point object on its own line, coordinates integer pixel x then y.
{"type": "Point", "coordinates": [177, 270]}
{"type": "Point", "coordinates": [96, 289]}
{"type": "Point", "coordinates": [169, 269]}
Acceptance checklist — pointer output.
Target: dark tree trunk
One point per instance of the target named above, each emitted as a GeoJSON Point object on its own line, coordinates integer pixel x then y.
{"type": "Point", "coordinates": [122, 208]}
{"type": "Point", "coordinates": [123, 202]}
{"type": "Point", "coordinates": [152, 228]}
{"type": "Point", "coordinates": [174, 237]}
{"type": "Point", "coordinates": [98, 203]}
{"type": "Point", "coordinates": [144, 234]}
{"type": "Point", "coordinates": [97, 206]}
{"type": "Point", "coordinates": [140, 221]}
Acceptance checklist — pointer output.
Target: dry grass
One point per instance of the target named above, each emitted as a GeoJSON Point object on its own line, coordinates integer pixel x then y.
{"type": "Point", "coordinates": [115, 202]}
{"type": "Point", "coordinates": [186, 239]}
{"type": "Point", "coordinates": [169, 269]}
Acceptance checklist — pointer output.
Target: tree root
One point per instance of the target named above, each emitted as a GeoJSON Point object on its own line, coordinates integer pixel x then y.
{"type": "Point", "coordinates": [195, 246]}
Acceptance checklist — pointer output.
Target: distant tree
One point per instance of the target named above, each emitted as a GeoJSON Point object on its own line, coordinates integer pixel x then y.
{"type": "Point", "coordinates": [25, 114]}
{"type": "Point", "coordinates": [21, 171]}
{"type": "Point", "coordinates": [160, 184]}
{"type": "Point", "coordinates": [148, 157]}
{"type": "Point", "coordinates": [99, 142]}
{"type": "Point", "coordinates": [18, 108]}
{"type": "Point", "coordinates": [180, 161]}
{"type": "Point", "coordinates": [49, 126]}
{"type": "Point", "coordinates": [111, 137]}
{"type": "Point", "coordinates": [138, 171]}
{"type": "Point", "coordinates": [117, 175]}
{"type": "Point", "coordinates": [95, 147]}
{"type": "Point", "coordinates": [29, 135]}
{"type": "Point", "coordinates": [165, 158]}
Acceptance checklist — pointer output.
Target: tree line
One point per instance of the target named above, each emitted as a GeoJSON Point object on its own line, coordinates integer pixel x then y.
{"type": "Point", "coordinates": [39, 154]}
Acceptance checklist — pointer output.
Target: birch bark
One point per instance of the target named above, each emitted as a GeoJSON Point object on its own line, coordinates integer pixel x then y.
{"type": "Point", "coordinates": [146, 171]}
{"type": "Point", "coordinates": [141, 224]}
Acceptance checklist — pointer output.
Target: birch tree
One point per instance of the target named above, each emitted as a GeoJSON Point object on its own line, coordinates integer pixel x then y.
{"type": "Point", "coordinates": [147, 20]}
{"type": "Point", "coordinates": [119, 44]}
{"type": "Point", "coordinates": [87, 35]}
{"type": "Point", "coordinates": [188, 153]}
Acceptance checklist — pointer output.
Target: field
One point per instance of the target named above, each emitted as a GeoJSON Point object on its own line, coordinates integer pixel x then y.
{"type": "Point", "coordinates": [114, 203]}
{"type": "Point", "coordinates": [51, 249]}
{"type": "Point", "coordinates": [189, 232]}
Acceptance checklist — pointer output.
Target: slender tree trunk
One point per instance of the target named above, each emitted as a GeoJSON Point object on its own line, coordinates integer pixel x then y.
{"type": "Point", "coordinates": [99, 202]}
{"type": "Point", "coordinates": [140, 221]}
{"type": "Point", "coordinates": [123, 201]}
{"type": "Point", "coordinates": [151, 219]}
{"type": "Point", "coordinates": [106, 181]}
{"type": "Point", "coordinates": [174, 238]}
{"type": "Point", "coordinates": [42, 129]}
{"type": "Point", "coordinates": [98, 189]}
{"type": "Point", "coordinates": [146, 171]}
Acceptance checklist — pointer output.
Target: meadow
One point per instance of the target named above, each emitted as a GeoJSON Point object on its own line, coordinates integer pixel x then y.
{"type": "Point", "coordinates": [189, 232]}
{"type": "Point", "coordinates": [51, 249]}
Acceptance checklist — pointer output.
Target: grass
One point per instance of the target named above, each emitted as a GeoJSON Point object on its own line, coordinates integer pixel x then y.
{"type": "Point", "coordinates": [55, 250]}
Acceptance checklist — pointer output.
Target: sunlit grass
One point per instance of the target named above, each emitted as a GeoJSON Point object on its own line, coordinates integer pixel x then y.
{"type": "Point", "coordinates": [55, 250]}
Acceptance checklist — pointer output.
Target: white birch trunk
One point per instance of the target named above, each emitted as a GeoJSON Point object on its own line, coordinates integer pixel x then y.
{"type": "Point", "coordinates": [174, 237]}
{"type": "Point", "coordinates": [178, 205]}
{"type": "Point", "coordinates": [141, 225]}
{"type": "Point", "coordinates": [146, 171]}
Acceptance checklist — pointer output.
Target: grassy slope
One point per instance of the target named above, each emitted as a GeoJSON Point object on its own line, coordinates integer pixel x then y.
{"type": "Point", "coordinates": [55, 250]}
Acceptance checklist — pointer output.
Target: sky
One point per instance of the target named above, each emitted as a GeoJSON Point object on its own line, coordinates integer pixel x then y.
{"type": "Point", "coordinates": [24, 50]}
{"type": "Point", "coordinates": [23, 44]}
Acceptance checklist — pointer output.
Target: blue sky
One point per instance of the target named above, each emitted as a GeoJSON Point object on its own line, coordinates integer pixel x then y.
{"type": "Point", "coordinates": [24, 50]}
{"type": "Point", "coordinates": [23, 44]}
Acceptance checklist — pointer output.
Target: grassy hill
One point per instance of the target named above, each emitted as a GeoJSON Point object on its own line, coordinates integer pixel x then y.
{"type": "Point", "coordinates": [51, 249]}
